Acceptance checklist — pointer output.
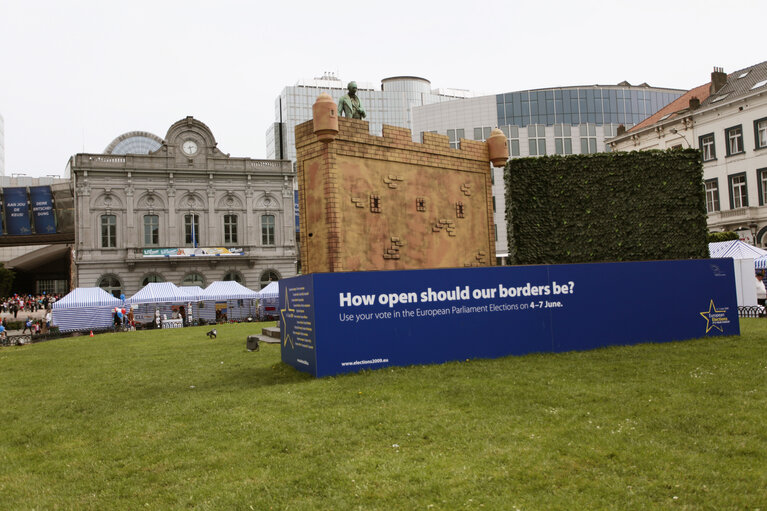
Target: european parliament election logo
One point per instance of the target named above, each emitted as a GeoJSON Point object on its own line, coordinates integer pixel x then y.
{"type": "Point", "coordinates": [287, 314]}
{"type": "Point", "coordinates": [715, 318]}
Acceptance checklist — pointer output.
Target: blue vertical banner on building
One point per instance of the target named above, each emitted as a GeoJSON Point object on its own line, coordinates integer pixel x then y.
{"type": "Point", "coordinates": [2, 221]}
{"type": "Point", "coordinates": [41, 199]}
{"type": "Point", "coordinates": [343, 322]}
{"type": "Point", "coordinates": [17, 211]}
{"type": "Point", "coordinates": [295, 209]}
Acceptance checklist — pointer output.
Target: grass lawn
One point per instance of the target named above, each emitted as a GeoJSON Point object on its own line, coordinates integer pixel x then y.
{"type": "Point", "coordinates": [170, 419]}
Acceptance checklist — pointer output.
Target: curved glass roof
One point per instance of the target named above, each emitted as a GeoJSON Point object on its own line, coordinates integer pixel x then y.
{"type": "Point", "coordinates": [134, 142]}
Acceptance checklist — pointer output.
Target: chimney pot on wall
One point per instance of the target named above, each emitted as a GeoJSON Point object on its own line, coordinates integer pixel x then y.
{"type": "Point", "coordinates": [621, 129]}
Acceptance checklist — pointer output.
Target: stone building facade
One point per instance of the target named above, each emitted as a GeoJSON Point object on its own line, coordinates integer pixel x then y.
{"type": "Point", "coordinates": [185, 213]}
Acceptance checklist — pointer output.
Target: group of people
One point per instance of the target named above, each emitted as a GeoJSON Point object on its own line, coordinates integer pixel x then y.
{"type": "Point", "coordinates": [27, 303]}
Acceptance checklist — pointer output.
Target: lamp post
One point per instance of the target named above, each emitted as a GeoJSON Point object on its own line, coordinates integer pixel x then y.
{"type": "Point", "coordinates": [753, 226]}
{"type": "Point", "coordinates": [675, 131]}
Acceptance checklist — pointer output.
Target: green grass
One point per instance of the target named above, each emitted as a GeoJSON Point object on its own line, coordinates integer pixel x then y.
{"type": "Point", "coordinates": [173, 420]}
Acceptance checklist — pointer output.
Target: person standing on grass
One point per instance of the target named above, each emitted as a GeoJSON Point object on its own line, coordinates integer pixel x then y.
{"type": "Point", "coordinates": [761, 292]}
{"type": "Point", "coordinates": [27, 324]}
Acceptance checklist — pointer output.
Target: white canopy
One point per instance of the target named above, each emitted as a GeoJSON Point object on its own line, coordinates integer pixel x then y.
{"type": "Point", "coordinates": [83, 309]}
{"type": "Point", "coordinates": [735, 249]}
{"type": "Point", "coordinates": [160, 292]}
{"type": "Point", "coordinates": [226, 290]}
{"type": "Point", "coordinates": [270, 291]}
{"type": "Point", "coordinates": [86, 297]}
{"type": "Point", "coordinates": [193, 291]}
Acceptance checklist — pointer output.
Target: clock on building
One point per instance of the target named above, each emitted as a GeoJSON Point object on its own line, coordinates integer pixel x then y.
{"type": "Point", "coordinates": [189, 147]}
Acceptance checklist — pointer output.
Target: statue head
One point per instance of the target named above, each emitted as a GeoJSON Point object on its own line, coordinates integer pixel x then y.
{"type": "Point", "coordinates": [352, 87]}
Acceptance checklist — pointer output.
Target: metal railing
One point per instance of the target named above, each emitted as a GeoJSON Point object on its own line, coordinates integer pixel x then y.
{"type": "Point", "coordinates": [751, 311]}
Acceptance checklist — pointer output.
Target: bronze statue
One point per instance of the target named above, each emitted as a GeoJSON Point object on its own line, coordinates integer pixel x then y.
{"type": "Point", "coordinates": [349, 105]}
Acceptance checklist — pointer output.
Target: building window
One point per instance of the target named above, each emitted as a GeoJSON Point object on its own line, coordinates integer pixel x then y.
{"type": "Point", "coordinates": [761, 178]}
{"type": "Point", "coordinates": [707, 147]}
{"type": "Point", "coordinates": [734, 138]}
{"type": "Point", "coordinates": [193, 279]}
{"type": "Point", "coordinates": [152, 278]}
{"type": "Point", "coordinates": [536, 137]}
{"type": "Point", "coordinates": [267, 230]}
{"type": "Point", "coordinates": [588, 138]}
{"type": "Point", "coordinates": [230, 228]}
{"type": "Point", "coordinates": [455, 137]}
{"type": "Point", "coordinates": [738, 191]}
{"type": "Point", "coordinates": [512, 135]}
{"type": "Point", "coordinates": [269, 276]}
{"type": "Point", "coordinates": [111, 284]}
{"type": "Point", "coordinates": [482, 133]}
{"type": "Point", "coordinates": [712, 195]}
{"type": "Point", "coordinates": [233, 275]}
{"type": "Point", "coordinates": [760, 133]}
{"type": "Point", "coordinates": [108, 231]}
{"type": "Point", "coordinates": [151, 230]}
{"type": "Point", "coordinates": [192, 230]}
{"type": "Point", "coordinates": [563, 144]}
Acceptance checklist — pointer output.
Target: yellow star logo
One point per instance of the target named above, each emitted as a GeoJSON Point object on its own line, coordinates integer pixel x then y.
{"type": "Point", "coordinates": [285, 322]}
{"type": "Point", "coordinates": [711, 322]}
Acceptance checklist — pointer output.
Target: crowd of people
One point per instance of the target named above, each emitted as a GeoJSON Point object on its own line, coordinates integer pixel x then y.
{"type": "Point", "coordinates": [19, 304]}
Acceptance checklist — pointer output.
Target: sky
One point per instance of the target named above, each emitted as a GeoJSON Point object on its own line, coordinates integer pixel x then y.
{"type": "Point", "coordinates": [74, 75]}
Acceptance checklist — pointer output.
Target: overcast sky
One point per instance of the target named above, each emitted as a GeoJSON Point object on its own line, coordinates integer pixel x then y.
{"type": "Point", "coordinates": [76, 74]}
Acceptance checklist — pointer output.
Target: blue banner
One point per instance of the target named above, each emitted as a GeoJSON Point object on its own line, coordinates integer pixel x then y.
{"type": "Point", "coordinates": [16, 211]}
{"type": "Point", "coordinates": [42, 209]}
{"type": "Point", "coordinates": [343, 322]}
{"type": "Point", "coordinates": [295, 209]}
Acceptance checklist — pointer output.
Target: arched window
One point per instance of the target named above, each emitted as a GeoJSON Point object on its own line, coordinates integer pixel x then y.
{"type": "Point", "coordinates": [233, 275]}
{"type": "Point", "coordinates": [269, 276]}
{"type": "Point", "coordinates": [152, 277]}
{"type": "Point", "coordinates": [193, 279]}
{"type": "Point", "coordinates": [111, 284]}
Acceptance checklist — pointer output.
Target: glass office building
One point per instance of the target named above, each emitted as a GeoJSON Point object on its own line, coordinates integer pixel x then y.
{"type": "Point", "coordinates": [559, 120]}
{"type": "Point", "coordinates": [391, 105]}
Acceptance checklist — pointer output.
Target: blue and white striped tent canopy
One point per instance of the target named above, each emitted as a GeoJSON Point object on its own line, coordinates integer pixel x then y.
{"type": "Point", "coordinates": [760, 263]}
{"type": "Point", "coordinates": [86, 297]}
{"type": "Point", "coordinates": [270, 291]}
{"type": "Point", "coordinates": [227, 290]}
{"type": "Point", "coordinates": [83, 309]}
{"type": "Point", "coordinates": [735, 249]}
{"type": "Point", "coordinates": [160, 292]}
{"type": "Point", "coordinates": [193, 291]}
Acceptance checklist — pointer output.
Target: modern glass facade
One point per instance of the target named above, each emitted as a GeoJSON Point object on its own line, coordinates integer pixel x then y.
{"type": "Point", "coordinates": [583, 105]}
{"type": "Point", "coordinates": [391, 105]}
{"type": "Point", "coordinates": [560, 120]}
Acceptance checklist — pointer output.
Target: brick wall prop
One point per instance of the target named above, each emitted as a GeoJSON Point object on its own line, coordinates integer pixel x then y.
{"type": "Point", "coordinates": [388, 203]}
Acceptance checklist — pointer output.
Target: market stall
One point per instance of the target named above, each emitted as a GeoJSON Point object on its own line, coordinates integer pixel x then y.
{"type": "Point", "coordinates": [84, 309]}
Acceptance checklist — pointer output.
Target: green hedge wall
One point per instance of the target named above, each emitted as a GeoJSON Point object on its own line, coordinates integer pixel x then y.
{"type": "Point", "coordinates": [623, 206]}
{"type": "Point", "coordinates": [722, 236]}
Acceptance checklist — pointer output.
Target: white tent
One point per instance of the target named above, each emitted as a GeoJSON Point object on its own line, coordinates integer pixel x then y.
{"type": "Point", "coordinates": [735, 249]}
{"type": "Point", "coordinates": [83, 309]}
{"type": "Point", "coordinates": [193, 291]}
{"type": "Point", "coordinates": [227, 290]}
{"type": "Point", "coordinates": [270, 291]}
{"type": "Point", "coordinates": [160, 292]}
{"type": "Point", "coordinates": [744, 256]}
{"type": "Point", "coordinates": [240, 302]}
